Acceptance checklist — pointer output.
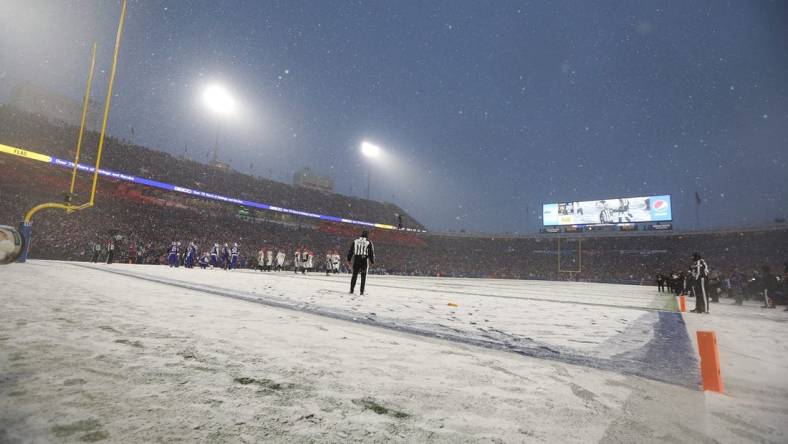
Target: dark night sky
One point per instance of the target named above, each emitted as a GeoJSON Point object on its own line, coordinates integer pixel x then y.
{"type": "Point", "coordinates": [484, 108]}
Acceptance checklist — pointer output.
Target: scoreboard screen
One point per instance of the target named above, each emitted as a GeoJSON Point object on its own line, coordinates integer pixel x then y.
{"type": "Point", "coordinates": [622, 210]}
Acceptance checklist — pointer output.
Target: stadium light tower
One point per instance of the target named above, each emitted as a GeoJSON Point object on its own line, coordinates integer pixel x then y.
{"type": "Point", "coordinates": [370, 151]}
{"type": "Point", "coordinates": [219, 101]}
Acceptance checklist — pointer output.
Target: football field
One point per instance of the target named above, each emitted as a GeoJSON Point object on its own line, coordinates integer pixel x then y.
{"type": "Point", "coordinates": [129, 353]}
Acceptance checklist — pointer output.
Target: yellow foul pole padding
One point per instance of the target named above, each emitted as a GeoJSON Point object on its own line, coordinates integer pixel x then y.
{"type": "Point", "coordinates": [85, 104]}
{"type": "Point", "coordinates": [14, 151]}
{"type": "Point", "coordinates": [108, 100]}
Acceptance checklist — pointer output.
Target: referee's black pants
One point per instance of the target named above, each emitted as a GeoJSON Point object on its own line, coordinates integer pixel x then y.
{"type": "Point", "coordinates": [359, 267]}
{"type": "Point", "coordinates": [701, 297]}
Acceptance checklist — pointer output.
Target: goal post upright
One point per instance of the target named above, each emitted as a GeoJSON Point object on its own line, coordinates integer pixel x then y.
{"type": "Point", "coordinates": [85, 106]}
{"type": "Point", "coordinates": [25, 226]}
{"type": "Point", "coordinates": [107, 101]}
{"type": "Point", "coordinates": [579, 257]}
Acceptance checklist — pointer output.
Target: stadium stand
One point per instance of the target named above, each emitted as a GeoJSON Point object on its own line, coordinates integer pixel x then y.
{"type": "Point", "coordinates": [36, 133]}
{"type": "Point", "coordinates": [153, 218]}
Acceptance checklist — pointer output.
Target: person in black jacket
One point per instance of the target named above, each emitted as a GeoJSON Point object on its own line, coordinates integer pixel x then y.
{"type": "Point", "coordinates": [660, 282]}
{"type": "Point", "coordinates": [769, 287]}
{"type": "Point", "coordinates": [360, 255]}
{"type": "Point", "coordinates": [785, 283]}
{"type": "Point", "coordinates": [700, 278]}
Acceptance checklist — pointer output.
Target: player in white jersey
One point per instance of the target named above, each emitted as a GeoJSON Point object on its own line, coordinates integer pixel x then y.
{"type": "Point", "coordinates": [297, 260]}
{"type": "Point", "coordinates": [261, 260]}
{"type": "Point", "coordinates": [335, 260]}
{"type": "Point", "coordinates": [269, 260]}
{"type": "Point", "coordinates": [306, 261]}
{"type": "Point", "coordinates": [280, 260]}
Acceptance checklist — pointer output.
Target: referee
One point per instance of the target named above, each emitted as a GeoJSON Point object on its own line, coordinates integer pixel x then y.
{"type": "Point", "coordinates": [361, 254]}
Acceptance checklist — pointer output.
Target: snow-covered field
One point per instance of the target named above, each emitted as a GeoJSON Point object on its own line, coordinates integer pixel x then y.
{"type": "Point", "coordinates": [144, 353]}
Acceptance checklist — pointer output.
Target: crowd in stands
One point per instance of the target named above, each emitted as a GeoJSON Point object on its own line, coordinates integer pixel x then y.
{"type": "Point", "coordinates": [147, 221]}
{"type": "Point", "coordinates": [36, 133]}
{"type": "Point", "coordinates": [154, 222]}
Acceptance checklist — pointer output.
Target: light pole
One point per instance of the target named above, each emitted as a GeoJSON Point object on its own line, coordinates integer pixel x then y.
{"type": "Point", "coordinates": [370, 151]}
{"type": "Point", "coordinates": [219, 101]}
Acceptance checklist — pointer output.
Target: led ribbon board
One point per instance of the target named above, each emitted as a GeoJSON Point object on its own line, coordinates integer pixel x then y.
{"type": "Point", "coordinates": [169, 187]}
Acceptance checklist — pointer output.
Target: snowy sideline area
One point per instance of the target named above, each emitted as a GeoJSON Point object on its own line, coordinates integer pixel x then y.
{"type": "Point", "coordinates": [130, 353]}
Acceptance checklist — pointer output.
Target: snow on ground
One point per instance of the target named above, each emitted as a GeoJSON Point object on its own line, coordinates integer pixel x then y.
{"type": "Point", "coordinates": [143, 353]}
{"type": "Point", "coordinates": [600, 325]}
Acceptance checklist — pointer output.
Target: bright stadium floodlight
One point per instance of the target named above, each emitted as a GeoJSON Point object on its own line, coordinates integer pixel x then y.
{"type": "Point", "coordinates": [218, 99]}
{"type": "Point", "coordinates": [370, 149]}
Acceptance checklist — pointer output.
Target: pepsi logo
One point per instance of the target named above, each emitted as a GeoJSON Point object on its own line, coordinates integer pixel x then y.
{"type": "Point", "coordinates": [660, 206]}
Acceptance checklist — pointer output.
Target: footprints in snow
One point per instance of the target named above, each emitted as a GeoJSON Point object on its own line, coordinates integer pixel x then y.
{"type": "Point", "coordinates": [136, 344]}
{"type": "Point", "coordinates": [90, 430]}
{"type": "Point", "coordinates": [129, 342]}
